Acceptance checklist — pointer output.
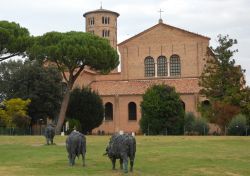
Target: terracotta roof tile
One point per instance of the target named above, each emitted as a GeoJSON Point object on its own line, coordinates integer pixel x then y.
{"type": "Point", "coordinates": [138, 87]}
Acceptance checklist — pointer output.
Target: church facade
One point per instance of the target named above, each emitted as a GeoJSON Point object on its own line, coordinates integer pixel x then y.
{"type": "Point", "coordinates": [162, 54]}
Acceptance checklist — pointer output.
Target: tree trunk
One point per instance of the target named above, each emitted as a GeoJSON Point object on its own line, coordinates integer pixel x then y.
{"type": "Point", "coordinates": [63, 110]}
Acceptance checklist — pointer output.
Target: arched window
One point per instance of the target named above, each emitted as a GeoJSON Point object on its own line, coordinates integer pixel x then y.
{"type": "Point", "coordinates": [183, 105]}
{"type": "Point", "coordinates": [162, 68]}
{"type": "Point", "coordinates": [149, 66]}
{"type": "Point", "coordinates": [105, 20]}
{"type": "Point", "coordinates": [108, 111]}
{"type": "Point", "coordinates": [205, 104]}
{"type": "Point", "coordinates": [132, 111]}
{"type": "Point", "coordinates": [105, 33]}
{"type": "Point", "coordinates": [175, 65]}
{"type": "Point", "coordinates": [91, 21]}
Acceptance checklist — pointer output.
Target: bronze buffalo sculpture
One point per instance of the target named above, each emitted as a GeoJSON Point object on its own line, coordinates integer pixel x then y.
{"type": "Point", "coordinates": [122, 146]}
{"type": "Point", "coordinates": [49, 133]}
{"type": "Point", "coordinates": [76, 146]}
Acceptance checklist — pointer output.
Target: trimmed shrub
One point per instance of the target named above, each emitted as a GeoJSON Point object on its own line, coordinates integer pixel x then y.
{"type": "Point", "coordinates": [238, 125]}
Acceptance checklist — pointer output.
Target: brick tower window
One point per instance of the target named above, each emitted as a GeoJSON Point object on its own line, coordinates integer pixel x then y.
{"type": "Point", "coordinates": [175, 65]}
{"type": "Point", "coordinates": [91, 21]}
{"type": "Point", "coordinates": [105, 20]}
{"type": "Point", "coordinates": [132, 111]}
{"type": "Point", "coordinates": [105, 33]}
{"type": "Point", "coordinates": [162, 67]}
{"type": "Point", "coordinates": [149, 66]}
{"type": "Point", "coordinates": [108, 111]}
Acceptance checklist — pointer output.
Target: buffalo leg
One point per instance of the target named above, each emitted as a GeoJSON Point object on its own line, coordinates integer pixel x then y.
{"type": "Point", "coordinates": [125, 163]}
{"type": "Point", "coordinates": [121, 164]}
{"type": "Point", "coordinates": [83, 160]}
{"type": "Point", "coordinates": [131, 165]}
{"type": "Point", "coordinates": [113, 163]}
{"type": "Point", "coordinates": [70, 159]}
{"type": "Point", "coordinates": [73, 159]}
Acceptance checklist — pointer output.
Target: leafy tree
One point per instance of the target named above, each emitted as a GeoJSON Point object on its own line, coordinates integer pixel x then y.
{"type": "Point", "coordinates": [7, 69]}
{"type": "Point", "coordinates": [74, 123]}
{"type": "Point", "coordinates": [14, 112]}
{"type": "Point", "coordinates": [245, 103]}
{"type": "Point", "coordinates": [72, 52]}
{"type": "Point", "coordinates": [162, 111]}
{"type": "Point", "coordinates": [238, 125]}
{"type": "Point", "coordinates": [221, 80]}
{"type": "Point", "coordinates": [193, 125]}
{"type": "Point", "coordinates": [200, 126]}
{"type": "Point", "coordinates": [42, 85]}
{"type": "Point", "coordinates": [87, 107]}
{"type": "Point", "coordinates": [189, 122]}
{"type": "Point", "coordinates": [14, 40]}
{"type": "Point", "coordinates": [222, 83]}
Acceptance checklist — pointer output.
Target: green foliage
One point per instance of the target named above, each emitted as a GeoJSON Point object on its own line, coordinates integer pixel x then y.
{"type": "Point", "coordinates": [162, 111]}
{"type": "Point", "coordinates": [195, 126]}
{"type": "Point", "coordinates": [200, 126]}
{"type": "Point", "coordinates": [29, 80]}
{"type": "Point", "coordinates": [5, 120]}
{"type": "Point", "coordinates": [14, 40]}
{"type": "Point", "coordinates": [221, 80]}
{"type": "Point", "coordinates": [7, 69]}
{"type": "Point", "coordinates": [71, 52]}
{"type": "Point", "coordinates": [87, 107]}
{"type": "Point", "coordinates": [74, 50]}
{"type": "Point", "coordinates": [189, 122]}
{"type": "Point", "coordinates": [245, 103]}
{"type": "Point", "coordinates": [238, 125]}
{"type": "Point", "coordinates": [222, 83]}
{"type": "Point", "coordinates": [74, 123]}
{"type": "Point", "coordinates": [14, 112]}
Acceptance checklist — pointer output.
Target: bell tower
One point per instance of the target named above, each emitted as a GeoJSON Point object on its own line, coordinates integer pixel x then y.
{"type": "Point", "coordinates": [103, 23]}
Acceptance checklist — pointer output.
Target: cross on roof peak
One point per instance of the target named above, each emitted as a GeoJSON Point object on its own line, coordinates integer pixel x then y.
{"type": "Point", "coordinates": [160, 20]}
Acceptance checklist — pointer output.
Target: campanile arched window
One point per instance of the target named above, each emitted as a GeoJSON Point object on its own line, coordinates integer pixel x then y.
{"type": "Point", "coordinates": [149, 66]}
{"type": "Point", "coordinates": [162, 67]}
{"type": "Point", "coordinates": [132, 111]}
{"type": "Point", "coordinates": [108, 111]}
{"type": "Point", "coordinates": [175, 65]}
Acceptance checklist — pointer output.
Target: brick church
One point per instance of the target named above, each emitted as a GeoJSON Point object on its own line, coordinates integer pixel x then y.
{"type": "Point", "coordinates": [161, 54]}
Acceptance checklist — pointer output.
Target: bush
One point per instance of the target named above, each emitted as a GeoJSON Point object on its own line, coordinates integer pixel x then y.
{"type": "Point", "coordinates": [200, 126]}
{"type": "Point", "coordinates": [162, 111]}
{"type": "Point", "coordinates": [189, 122]}
{"type": "Point", "coordinates": [195, 126]}
{"type": "Point", "coordinates": [86, 106]}
{"type": "Point", "coordinates": [238, 125]}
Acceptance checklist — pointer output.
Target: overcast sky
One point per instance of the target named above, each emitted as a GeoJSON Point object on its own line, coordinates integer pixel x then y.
{"type": "Point", "coordinates": [206, 17]}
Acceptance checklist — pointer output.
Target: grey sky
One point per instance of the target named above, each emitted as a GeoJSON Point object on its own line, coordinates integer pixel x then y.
{"type": "Point", "coordinates": [206, 17]}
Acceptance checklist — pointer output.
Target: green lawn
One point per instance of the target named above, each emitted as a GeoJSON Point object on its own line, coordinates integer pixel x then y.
{"type": "Point", "coordinates": [156, 155]}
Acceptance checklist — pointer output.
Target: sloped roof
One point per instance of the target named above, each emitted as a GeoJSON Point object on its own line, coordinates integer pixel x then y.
{"type": "Point", "coordinates": [100, 11]}
{"type": "Point", "coordinates": [138, 87]}
{"type": "Point", "coordinates": [162, 24]}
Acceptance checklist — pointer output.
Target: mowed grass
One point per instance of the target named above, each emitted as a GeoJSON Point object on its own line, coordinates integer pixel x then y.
{"type": "Point", "coordinates": [156, 155]}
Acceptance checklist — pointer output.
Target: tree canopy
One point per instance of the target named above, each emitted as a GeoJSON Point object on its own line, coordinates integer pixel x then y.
{"type": "Point", "coordinates": [87, 107]}
{"type": "Point", "coordinates": [162, 111]}
{"type": "Point", "coordinates": [30, 80]}
{"type": "Point", "coordinates": [13, 112]}
{"type": "Point", "coordinates": [72, 52]}
{"type": "Point", "coordinates": [222, 83]}
{"type": "Point", "coordinates": [14, 40]}
{"type": "Point", "coordinates": [221, 79]}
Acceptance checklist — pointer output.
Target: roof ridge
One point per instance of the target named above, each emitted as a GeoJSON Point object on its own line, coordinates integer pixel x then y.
{"type": "Point", "coordinates": [151, 28]}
